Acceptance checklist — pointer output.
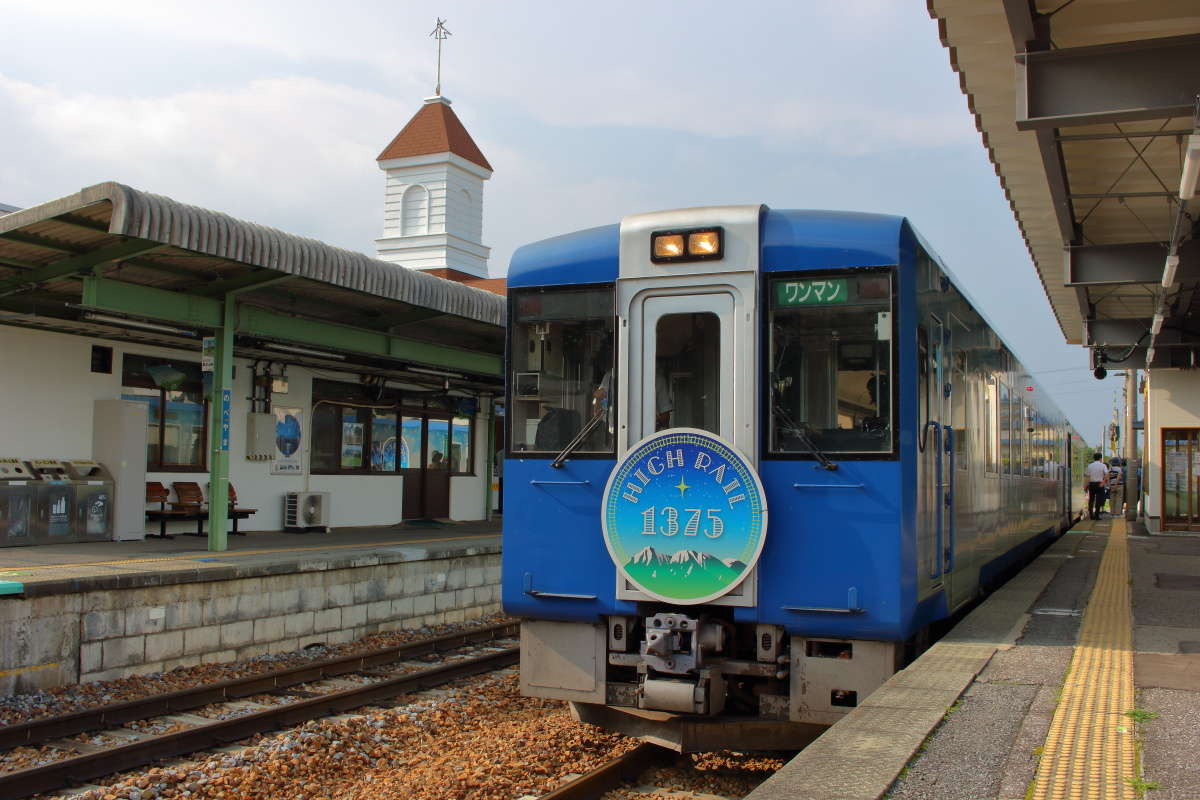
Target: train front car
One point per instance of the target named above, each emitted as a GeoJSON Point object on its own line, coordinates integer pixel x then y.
{"type": "Point", "coordinates": [746, 465]}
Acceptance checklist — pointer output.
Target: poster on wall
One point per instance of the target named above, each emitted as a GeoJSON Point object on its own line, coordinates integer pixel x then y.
{"type": "Point", "coordinates": [352, 444]}
{"type": "Point", "coordinates": [289, 441]}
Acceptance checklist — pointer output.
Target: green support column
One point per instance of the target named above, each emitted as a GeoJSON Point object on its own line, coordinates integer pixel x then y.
{"type": "Point", "coordinates": [219, 429]}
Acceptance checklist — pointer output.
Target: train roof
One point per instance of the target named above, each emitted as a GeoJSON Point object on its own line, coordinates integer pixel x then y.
{"type": "Point", "coordinates": [823, 238]}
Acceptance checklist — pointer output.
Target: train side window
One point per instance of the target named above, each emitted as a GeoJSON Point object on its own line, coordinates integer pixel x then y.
{"type": "Point", "coordinates": [1006, 440]}
{"type": "Point", "coordinates": [562, 371]}
{"type": "Point", "coordinates": [830, 344]}
{"type": "Point", "coordinates": [991, 430]}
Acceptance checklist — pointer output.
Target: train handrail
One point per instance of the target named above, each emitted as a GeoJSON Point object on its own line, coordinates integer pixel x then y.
{"type": "Point", "coordinates": [829, 486]}
{"type": "Point", "coordinates": [532, 592]}
{"type": "Point", "coordinates": [536, 482]}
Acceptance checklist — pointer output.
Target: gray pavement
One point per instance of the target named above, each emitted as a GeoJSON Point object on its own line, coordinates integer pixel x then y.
{"type": "Point", "coordinates": [66, 568]}
{"type": "Point", "coordinates": [988, 747]}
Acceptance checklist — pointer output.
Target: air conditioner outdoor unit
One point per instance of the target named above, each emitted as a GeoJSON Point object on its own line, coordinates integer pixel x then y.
{"type": "Point", "coordinates": [306, 511]}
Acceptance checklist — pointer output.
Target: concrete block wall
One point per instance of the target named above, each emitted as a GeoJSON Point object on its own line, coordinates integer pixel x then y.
{"type": "Point", "coordinates": [101, 635]}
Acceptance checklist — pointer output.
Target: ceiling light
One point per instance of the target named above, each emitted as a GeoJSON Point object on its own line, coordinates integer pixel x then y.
{"type": "Point", "coordinates": [1169, 271]}
{"type": "Point", "coordinates": [441, 373]}
{"type": "Point", "coordinates": [1191, 168]}
{"type": "Point", "coordinates": [92, 316]}
{"type": "Point", "coordinates": [303, 351]}
{"type": "Point", "coordinates": [1156, 323]}
{"type": "Point", "coordinates": [1149, 357]}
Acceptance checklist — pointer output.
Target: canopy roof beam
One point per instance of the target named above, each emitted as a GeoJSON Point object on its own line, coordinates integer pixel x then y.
{"type": "Point", "coordinates": [197, 311]}
{"type": "Point", "coordinates": [1140, 262]}
{"type": "Point", "coordinates": [1126, 81]}
{"type": "Point", "coordinates": [77, 264]}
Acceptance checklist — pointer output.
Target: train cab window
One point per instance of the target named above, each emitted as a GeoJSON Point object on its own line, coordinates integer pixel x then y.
{"type": "Point", "coordinates": [562, 371]}
{"type": "Point", "coordinates": [831, 363]}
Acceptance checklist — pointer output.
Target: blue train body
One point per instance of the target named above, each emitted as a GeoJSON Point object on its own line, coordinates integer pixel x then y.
{"type": "Point", "coordinates": [858, 560]}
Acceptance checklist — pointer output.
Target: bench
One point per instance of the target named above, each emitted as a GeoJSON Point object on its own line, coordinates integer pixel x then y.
{"type": "Point", "coordinates": [157, 493]}
{"type": "Point", "coordinates": [191, 501]}
{"type": "Point", "coordinates": [236, 513]}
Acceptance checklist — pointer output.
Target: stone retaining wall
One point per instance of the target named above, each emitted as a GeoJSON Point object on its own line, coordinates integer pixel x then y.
{"type": "Point", "coordinates": [103, 634]}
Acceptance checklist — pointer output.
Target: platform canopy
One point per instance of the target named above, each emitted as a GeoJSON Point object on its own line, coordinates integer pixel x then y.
{"type": "Point", "coordinates": [118, 263]}
{"type": "Point", "coordinates": [1086, 109]}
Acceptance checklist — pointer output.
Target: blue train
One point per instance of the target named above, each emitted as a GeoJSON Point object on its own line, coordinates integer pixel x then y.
{"type": "Point", "coordinates": [752, 456]}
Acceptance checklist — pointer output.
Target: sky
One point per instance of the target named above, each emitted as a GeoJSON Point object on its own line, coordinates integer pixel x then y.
{"type": "Point", "coordinates": [274, 112]}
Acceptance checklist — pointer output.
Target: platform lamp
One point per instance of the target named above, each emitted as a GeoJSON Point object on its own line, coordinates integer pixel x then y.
{"type": "Point", "coordinates": [1191, 168]}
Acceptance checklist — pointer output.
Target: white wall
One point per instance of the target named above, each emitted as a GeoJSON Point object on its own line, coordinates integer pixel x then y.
{"type": "Point", "coordinates": [1173, 401]}
{"type": "Point", "coordinates": [46, 411]}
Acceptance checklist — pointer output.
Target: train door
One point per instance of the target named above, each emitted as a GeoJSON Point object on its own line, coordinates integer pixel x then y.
{"type": "Point", "coordinates": [936, 473]}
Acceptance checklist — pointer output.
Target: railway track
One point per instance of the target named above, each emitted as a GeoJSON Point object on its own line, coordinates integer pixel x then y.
{"type": "Point", "coordinates": [378, 678]}
{"type": "Point", "coordinates": [652, 770]}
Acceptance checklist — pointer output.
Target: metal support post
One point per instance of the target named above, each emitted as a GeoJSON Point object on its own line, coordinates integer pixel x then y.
{"type": "Point", "coordinates": [221, 406]}
{"type": "Point", "coordinates": [487, 470]}
{"type": "Point", "coordinates": [1131, 453]}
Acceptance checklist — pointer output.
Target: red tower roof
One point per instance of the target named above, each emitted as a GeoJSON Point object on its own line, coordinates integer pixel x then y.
{"type": "Point", "coordinates": [435, 129]}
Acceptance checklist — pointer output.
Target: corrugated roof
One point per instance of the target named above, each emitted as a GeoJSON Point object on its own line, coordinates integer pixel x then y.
{"type": "Point", "coordinates": [435, 129]}
{"type": "Point", "coordinates": [197, 230]}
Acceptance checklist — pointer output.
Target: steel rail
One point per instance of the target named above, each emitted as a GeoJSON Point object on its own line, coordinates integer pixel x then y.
{"type": "Point", "coordinates": [609, 775]}
{"type": "Point", "coordinates": [117, 759]}
{"type": "Point", "coordinates": [42, 730]}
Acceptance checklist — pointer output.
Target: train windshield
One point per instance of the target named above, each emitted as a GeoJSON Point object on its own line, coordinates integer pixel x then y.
{"type": "Point", "coordinates": [562, 372]}
{"type": "Point", "coordinates": [831, 363]}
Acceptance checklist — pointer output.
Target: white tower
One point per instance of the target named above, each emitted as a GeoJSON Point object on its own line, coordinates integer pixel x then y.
{"type": "Point", "coordinates": [433, 201]}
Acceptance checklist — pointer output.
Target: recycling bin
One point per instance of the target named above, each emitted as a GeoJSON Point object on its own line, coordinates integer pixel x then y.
{"type": "Point", "coordinates": [54, 503]}
{"type": "Point", "coordinates": [17, 490]}
{"type": "Point", "coordinates": [94, 494]}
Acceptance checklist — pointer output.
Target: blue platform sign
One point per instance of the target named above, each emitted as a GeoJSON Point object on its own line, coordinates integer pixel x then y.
{"type": "Point", "coordinates": [226, 400]}
{"type": "Point", "coordinates": [684, 516]}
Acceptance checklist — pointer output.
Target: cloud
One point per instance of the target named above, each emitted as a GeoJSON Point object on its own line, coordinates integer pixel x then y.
{"type": "Point", "coordinates": [298, 150]}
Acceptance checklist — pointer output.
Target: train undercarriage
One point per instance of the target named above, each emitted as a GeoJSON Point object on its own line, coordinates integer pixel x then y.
{"type": "Point", "coordinates": [699, 681]}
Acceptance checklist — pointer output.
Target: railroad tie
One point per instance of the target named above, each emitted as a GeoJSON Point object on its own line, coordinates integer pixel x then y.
{"type": "Point", "coordinates": [1089, 752]}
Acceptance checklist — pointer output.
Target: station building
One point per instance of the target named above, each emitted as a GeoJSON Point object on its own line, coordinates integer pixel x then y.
{"type": "Point", "coordinates": [1091, 115]}
{"type": "Point", "coordinates": [175, 345]}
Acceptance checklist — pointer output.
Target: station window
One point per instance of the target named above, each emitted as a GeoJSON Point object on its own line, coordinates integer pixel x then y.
{"type": "Point", "coordinates": [830, 340]}
{"type": "Point", "coordinates": [375, 430]}
{"type": "Point", "coordinates": [562, 375]}
{"type": "Point", "coordinates": [172, 390]}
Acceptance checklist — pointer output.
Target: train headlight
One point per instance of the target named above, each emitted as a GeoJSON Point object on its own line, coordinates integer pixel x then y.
{"type": "Point", "coordinates": [668, 246]}
{"type": "Point", "coordinates": [704, 243]}
{"type": "Point", "coordinates": [697, 244]}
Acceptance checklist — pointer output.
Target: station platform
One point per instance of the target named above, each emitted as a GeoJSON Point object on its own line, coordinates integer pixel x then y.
{"type": "Point", "coordinates": [67, 568]}
{"type": "Point", "coordinates": [1079, 678]}
{"type": "Point", "coordinates": [95, 611]}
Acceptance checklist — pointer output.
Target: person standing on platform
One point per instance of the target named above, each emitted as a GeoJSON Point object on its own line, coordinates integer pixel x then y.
{"type": "Point", "coordinates": [1095, 477]}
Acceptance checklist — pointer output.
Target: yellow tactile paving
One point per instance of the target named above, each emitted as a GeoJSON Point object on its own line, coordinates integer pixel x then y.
{"type": "Point", "coordinates": [1089, 752]}
{"type": "Point", "coordinates": [226, 554]}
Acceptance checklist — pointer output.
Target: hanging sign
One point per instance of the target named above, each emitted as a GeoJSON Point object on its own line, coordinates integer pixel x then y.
{"type": "Point", "coordinates": [684, 516]}
{"type": "Point", "coordinates": [208, 354]}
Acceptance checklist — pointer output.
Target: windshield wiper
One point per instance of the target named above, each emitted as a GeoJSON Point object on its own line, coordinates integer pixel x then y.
{"type": "Point", "coordinates": [578, 440]}
{"type": "Point", "coordinates": [791, 428]}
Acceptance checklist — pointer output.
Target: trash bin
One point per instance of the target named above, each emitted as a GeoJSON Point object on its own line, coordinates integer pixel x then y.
{"type": "Point", "coordinates": [54, 503]}
{"type": "Point", "coordinates": [94, 494]}
{"type": "Point", "coordinates": [17, 489]}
